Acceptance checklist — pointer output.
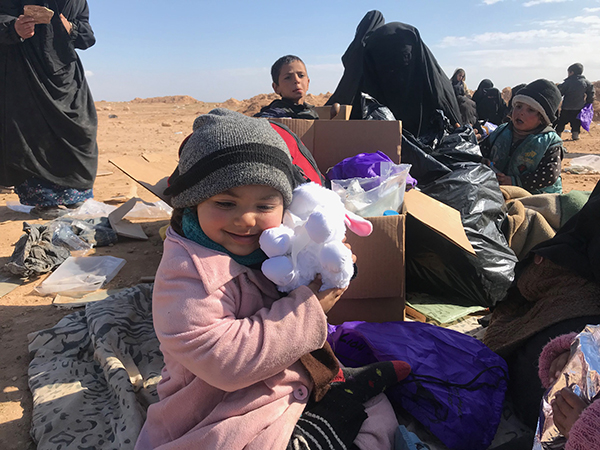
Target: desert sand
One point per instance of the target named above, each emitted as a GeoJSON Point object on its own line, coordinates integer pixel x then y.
{"type": "Point", "coordinates": [153, 127]}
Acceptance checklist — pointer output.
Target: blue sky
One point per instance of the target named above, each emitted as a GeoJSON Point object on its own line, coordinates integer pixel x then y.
{"type": "Point", "coordinates": [215, 50]}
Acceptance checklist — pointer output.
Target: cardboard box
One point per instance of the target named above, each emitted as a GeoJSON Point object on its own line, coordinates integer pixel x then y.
{"type": "Point", "coordinates": [331, 141]}
{"type": "Point", "coordinates": [325, 112]}
{"type": "Point", "coordinates": [378, 292]}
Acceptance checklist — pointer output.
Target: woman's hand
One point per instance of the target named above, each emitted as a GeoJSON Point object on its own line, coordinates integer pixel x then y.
{"type": "Point", "coordinates": [327, 298]}
{"type": "Point", "coordinates": [566, 407]}
{"type": "Point", "coordinates": [68, 25]}
{"type": "Point", "coordinates": [25, 26]}
{"type": "Point", "coordinates": [558, 365]}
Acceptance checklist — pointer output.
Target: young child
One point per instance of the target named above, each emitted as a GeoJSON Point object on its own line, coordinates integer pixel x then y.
{"type": "Point", "coordinates": [290, 81]}
{"type": "Point", "coordinates": [526, 151]}
{"type": "Point", "coordinates": [577, 421]}
{"type": "Point", "coordinates": [241, 362]}
{"type": "Point", "coordinates": [578, 92]}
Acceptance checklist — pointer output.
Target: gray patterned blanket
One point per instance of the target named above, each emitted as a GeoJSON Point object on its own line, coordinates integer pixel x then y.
{"type": "Point", "coordinates": [94, 374]}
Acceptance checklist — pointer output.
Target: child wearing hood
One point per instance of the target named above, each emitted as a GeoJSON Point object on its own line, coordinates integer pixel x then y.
{"type": "Point", "coordinates": [246, 368]}
{"type": "Point", "coordinates": [526, 151]}
{"type": "Point", "coordinates": [578, 92]}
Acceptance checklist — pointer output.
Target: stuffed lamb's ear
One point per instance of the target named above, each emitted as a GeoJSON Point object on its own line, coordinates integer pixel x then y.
{"type": "Point", "coordinates": [357, 224]}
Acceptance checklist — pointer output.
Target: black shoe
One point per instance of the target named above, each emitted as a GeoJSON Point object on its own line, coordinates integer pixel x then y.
{"type": "Point", "coordinates": [49, 212]}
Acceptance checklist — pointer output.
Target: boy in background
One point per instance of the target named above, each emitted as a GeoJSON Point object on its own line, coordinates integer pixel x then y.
{"type": "Point", "coordinates": [577, 92]}
{"type": "Point", "coordinates": [290, 81]}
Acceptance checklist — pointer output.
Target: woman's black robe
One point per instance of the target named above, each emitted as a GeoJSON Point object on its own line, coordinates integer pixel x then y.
{"type": "Point", "coordinates": [48, 120]}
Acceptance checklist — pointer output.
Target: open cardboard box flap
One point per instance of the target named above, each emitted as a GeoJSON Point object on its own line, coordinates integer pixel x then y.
{"type": "Point", "coordinates": [153, 175]}
{"type": "Point", "coordinates": [442, 218]}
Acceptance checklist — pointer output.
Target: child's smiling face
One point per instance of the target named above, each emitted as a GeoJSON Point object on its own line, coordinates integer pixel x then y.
{"type": "Point", "coordinates": [293, 82]}
{"type": "Point", "coordinates": [524, 117]}
{"type": "Point", "coordinates": [236, 217]}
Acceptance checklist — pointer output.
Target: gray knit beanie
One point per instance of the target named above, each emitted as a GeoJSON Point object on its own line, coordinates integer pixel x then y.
{"type": "Point", "coordinates": [226, 150]}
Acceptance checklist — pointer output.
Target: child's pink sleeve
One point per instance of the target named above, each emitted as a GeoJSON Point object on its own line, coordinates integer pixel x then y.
{"type": "Point", "coordinates": [585, 432]}
{"type": "Point", "coordinates": [550, 352]}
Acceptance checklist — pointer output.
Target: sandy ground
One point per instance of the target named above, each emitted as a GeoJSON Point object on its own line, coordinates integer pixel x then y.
{"type": "Point", "coordinates": [154, 127]}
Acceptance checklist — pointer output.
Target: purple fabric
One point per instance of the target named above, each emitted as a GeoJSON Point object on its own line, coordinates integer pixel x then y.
{"type": "Point", "coordinates": [363, 165]}
{"type": "Point", "coordinates": [457, 385]}
{"type": "Point", "coordinates": [585, 116]}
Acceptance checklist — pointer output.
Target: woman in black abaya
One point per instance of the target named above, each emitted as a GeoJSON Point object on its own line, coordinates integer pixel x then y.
{"type": "Point", "coordinates": [401, 73]}
{"type": "Point", "coordinates": [48, 147]}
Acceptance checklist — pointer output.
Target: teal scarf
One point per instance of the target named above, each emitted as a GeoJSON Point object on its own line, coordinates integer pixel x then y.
{"type": "Point", "coordinates": [192, 231]}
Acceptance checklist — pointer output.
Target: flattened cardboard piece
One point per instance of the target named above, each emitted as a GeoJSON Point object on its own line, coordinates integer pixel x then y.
{"type": "Point", "coordinates": [124, 228]}
{"type": "Point", "coordinates": [379, 259]}
{"type": "Point", "coordinates": [152, 175]}
{"type": "Point", "coordinates": [441, 218]}
{"type": "Point", "coordinates": [65, 302]}
{"type": "Point", "coordinates": [9, 283]}
{"type": "Point", "coordinates": [372, 310]}
{"type": "Point", "coordinates": [324, 112]}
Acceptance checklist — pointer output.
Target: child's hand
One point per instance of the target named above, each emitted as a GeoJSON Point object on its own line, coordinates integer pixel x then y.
{"type": "Point", "coordinates": [348, 245]}
{"type": "Point", "coordinates": [567, 408]}
{"type": "Point", "coordinates": [558, 365]}
{"type": "Point", "coordinates": [327, 298]}
{"type": "Point", "coordinates": [503, 179]}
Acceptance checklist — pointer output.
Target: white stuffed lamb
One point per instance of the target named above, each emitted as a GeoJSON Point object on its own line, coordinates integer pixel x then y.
{"type": "Point", "coordinates": [309, 241]}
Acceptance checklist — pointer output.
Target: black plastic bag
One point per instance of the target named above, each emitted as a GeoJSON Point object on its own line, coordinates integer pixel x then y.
{"type": "Point", "coordinates": [437, 266]}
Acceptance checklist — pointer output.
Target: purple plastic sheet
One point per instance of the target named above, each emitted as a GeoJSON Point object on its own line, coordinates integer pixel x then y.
{"type": "Point", "coordinates": [585, 116]}
{"type": "Point", "coordinates": [457, 385]}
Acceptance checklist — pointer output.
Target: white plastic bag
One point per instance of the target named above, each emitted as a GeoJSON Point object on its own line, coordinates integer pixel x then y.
{"type": "Point", "coordinates": [80, 275]}
{"type": "Point", "coordinates": [586, 164]}
{"type": "Point", "coordinates": [369, 197]}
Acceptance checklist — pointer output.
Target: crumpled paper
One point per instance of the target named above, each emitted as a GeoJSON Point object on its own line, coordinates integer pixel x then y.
{"type": "Point", "coordinates": [581, 375]}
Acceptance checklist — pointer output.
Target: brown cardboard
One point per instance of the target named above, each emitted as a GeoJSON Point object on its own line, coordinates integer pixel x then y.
{"type": "Point", "coordinates": [331, 141]}
{"type": "Point", "coordinates": [378, 292]}
{"type": "Point", "coordinates": [124, 228]}
{"type": "Point", "coordinates": [441, 218]}
{"type": "Point", "coordinates": [153, 175]}
{"type": "Point", "coordinates": [324, 112]}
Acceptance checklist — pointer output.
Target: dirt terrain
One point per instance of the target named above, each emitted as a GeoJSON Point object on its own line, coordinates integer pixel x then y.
{"type": "Point", "coordinates": [153, 127]}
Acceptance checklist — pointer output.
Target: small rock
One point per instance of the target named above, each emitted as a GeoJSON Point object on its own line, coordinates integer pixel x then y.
{"type": "Point", "coordinates": [14, 378]}
{"type": "Point", "coordinates": [112, 116]}
{"type": "Point", "coordinates": [166, 124]}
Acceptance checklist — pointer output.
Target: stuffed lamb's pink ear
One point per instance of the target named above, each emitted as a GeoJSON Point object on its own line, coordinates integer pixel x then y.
{"type": "Point", "coordinates": [359, 225]}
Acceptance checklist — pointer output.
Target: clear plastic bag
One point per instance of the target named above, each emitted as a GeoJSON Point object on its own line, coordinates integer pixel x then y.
{"type": "Point", "coordinates": [78, 276]}
{"type": "Point", "coordinates": [369, 197]}
{"type": "Point", "coordinates": [64, 236]}
{"type": "Point", "coordinates": [147, 210]}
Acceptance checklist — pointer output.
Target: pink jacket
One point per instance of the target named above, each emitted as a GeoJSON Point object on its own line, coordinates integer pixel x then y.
{"type": "Point", "coordinates": [585, 432]}
{"type": "Point", "coordinates": [231, 346]}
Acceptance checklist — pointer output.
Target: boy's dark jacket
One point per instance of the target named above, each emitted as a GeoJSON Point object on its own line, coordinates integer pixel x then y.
{"type": "Point", "coordinates": [577, 92]}
{"type": "Point", "coordinates": [285, 108]}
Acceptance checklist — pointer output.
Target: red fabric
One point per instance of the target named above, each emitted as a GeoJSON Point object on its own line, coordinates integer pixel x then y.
{"type": "Point", "coordinates": [297, 157]}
